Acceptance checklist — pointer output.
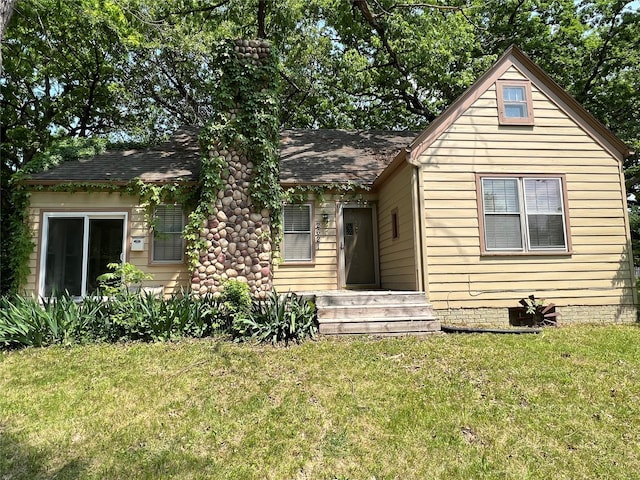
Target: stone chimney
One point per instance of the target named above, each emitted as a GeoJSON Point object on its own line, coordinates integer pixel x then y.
{"type": "Point", "coordinates": [237, 233]}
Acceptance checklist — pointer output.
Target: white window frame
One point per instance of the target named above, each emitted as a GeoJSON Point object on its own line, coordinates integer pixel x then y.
{"type": "Point", "coordinates": [86, 216]}
{"type": "Point", "coordinates": [181, 233]}
{"type": "Point", "coordinates": [524, 214]}
{"type": "Point", "coordinates": [309, 205]}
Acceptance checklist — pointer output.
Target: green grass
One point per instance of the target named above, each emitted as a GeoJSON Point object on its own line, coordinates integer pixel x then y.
{"type": "Point", "coordinates": [563, 404]}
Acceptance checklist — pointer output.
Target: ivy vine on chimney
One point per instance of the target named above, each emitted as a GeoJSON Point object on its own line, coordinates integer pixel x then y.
{"type": "Point", "coordinates": [230, 233]}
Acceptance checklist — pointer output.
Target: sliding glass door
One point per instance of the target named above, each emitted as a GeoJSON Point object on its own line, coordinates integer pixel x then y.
{"type": "Point", "coordinates": [77, 248]}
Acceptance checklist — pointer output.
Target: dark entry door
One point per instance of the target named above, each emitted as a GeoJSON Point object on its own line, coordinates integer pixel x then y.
{"type": "Point", "coordinates": [359, 247]}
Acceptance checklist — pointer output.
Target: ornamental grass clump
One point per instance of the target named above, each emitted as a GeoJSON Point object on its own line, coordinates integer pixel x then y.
{"type": "Point", "coordinates": [142, 316]}
{"type": "Point", "coordinates": [59, 319]}
{"type": "Point", "coordinates": [279, 318]}
{"type": "Point", "coordinates": [125, 316]}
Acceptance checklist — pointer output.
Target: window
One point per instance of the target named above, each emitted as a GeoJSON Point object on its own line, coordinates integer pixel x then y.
{"type": "Point", "coordinates": [168, 244]}
{"type": "Point", "coordinates": [394, 224]}
{"type": "Point", "coordinates": [297, 241]}
{"type": "Point", "coordinates": [76, 248]}
{"type": "Point", "coordinates": [523, 214]}
{"type": "Point", "coordinates": [514, 102]}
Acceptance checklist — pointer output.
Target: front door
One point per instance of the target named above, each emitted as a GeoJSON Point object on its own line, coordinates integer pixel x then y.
{"type": "Point", "coordinates": [358, 247]}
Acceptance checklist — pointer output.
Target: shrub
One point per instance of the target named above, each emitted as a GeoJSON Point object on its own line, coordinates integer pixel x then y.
{"type": "Point", "coordinates": [124, 276]}
{"type": "Point", "coordinates": [145, 317]}
{"type": "Point", "coordinates": [236, 302]}
{"type": "Point", "coordinates": [278, 318]}
{"type": "Point", "coordinates": [132, 316]}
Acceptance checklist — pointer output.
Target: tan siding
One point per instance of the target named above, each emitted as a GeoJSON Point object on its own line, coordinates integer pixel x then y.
{"type": "Point", "coordinates": [596, 273]}
{"type": "Point", "coordinates": [397, 256]}
{"type": "Point", "coordinates": [322, 273]}
{"type": "Point", "coordinates": [171, 276]}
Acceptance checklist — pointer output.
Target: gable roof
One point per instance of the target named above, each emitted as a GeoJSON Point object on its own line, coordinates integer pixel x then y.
{"type": "Point", "coordinates": [306, 157]}
{"type": "Point", "coordinates": [513, 56]}
{"type": "Point", "coordinates": [327, 156]}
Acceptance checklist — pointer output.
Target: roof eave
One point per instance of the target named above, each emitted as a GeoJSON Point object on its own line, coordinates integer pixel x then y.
{"type": "Point", "coordinates": [36, 182]}
{"type": "Point", "coordinates": [293, 184]}
{"type": "Point", "coordinates": [399, 160]}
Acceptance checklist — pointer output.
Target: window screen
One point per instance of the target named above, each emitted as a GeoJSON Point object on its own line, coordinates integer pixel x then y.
{"type": "Point", "coordinates": [297, 241]}
{"type": "Point", "coordinates": [168, 244]}
{"type": "Point", "coordinates": [502, 214]}
{"type": "Point", "coordinates": [515, 105]}
{"type": "Point", "coordinates": [515, 102]}
{"type": "Point", "coordinates": [523, 214]}
{"type": "Point", "coordinates": [543, 198]}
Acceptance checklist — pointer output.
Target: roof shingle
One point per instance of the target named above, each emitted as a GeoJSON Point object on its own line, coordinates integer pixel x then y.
{"type": "Point", "coordinates": [306, 157]}
{"type": "Point", "coordinates": [176, 159]}
{"type": "Point", "coordinates": [338, 156]}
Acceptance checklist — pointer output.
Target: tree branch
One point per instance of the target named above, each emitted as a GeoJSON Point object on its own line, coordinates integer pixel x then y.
{"type": "Point", "coordinates": [262, 13]}
{"type": "Point", "coordinates": [411, 99]}
{"type": "Point", "coordinates": [201, 9]}
{"type": "Point", "coordinates": [602, 56]}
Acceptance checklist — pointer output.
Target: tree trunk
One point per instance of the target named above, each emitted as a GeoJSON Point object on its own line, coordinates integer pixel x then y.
{"type": "Point", "coordinates": [262, 13]}
{"type": "Point", "coordinates": [6, 9]}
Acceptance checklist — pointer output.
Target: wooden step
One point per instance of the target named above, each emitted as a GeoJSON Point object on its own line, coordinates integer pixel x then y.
{"type": "Point", "coordinates": [383, 297]}
{"type": "Point", "coordinates": [375, 313]}
{"type": "Point", "coordinates": [383, 311]}
{"type": "Point", "coordinates": [397, 327]}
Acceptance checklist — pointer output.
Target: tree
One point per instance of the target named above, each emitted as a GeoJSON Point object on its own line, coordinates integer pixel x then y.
{"type": "Point", "coordinates": [135, 69]}
{"type": "Point", "coordinates": [6, 10]}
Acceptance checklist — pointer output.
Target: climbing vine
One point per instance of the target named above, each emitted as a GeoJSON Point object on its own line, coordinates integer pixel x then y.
{"type": "Point", "coordinates": [17, 243]}
{"type": "Point", "coordinates": [246, 120]}
{"type": "Point", "coordinates": [300, 193]}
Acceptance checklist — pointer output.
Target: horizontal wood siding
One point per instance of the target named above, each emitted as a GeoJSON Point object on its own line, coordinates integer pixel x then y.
{"type": "Point", "coordinates": [322, 273]}
{"type": "Point", "coordinates": [596, 273]}
{"type": "Point", "coordinates": [173, 276]}
{"type": "Point", "coordinates": [397, 256]}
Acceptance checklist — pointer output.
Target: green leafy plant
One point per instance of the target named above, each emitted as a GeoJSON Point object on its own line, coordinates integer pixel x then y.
{"type": "Point", "coordinates": [287, 317]}
{"type": "Point", "coordinates": [123, 276]}
{"type": "Point", "coordinates": [236, 302]}
{"type": "Point", "coordinates": [125, 316]}
{"type": "Point", "coordinates": [195, 316]}
{"type": "Point", "coordinates": [59, 319]}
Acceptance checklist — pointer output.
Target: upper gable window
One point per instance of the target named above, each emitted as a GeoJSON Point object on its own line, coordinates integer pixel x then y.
{"type": "Point", "coordinates": [514, 102]}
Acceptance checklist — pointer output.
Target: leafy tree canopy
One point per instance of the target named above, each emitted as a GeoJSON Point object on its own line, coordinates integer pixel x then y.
{"type": "Point", "coordinates": [138, 68]}
{"type": "Point", "coordinates": [133, 70]}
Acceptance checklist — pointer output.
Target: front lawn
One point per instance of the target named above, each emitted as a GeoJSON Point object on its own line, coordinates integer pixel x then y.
{"type": "Point", "coordinates": [563, 404]}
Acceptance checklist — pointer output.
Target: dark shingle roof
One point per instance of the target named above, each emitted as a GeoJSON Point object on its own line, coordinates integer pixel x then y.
{"type": "Point", "coordinates": [338, 156]}
{"type": "Point", "coordinates": [306, 156]}
{"type": "Point", "coordinates": [176, 159]}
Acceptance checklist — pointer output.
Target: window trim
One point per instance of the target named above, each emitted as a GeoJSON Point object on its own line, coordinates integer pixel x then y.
{"type": "Point", "coordinates": [152, 260]}
{"type": "Point", "coordinates": [86, 215]}
{"type": "Point", "coordinates": [502, 118]}
{"type": "Point", "coordinates": [312, 260]}
{"type": "Point", "coordinates": [568, 250]}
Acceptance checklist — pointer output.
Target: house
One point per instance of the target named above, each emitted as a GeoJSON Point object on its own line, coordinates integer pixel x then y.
{"type": "Point", "coordinates": [514, 190]}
